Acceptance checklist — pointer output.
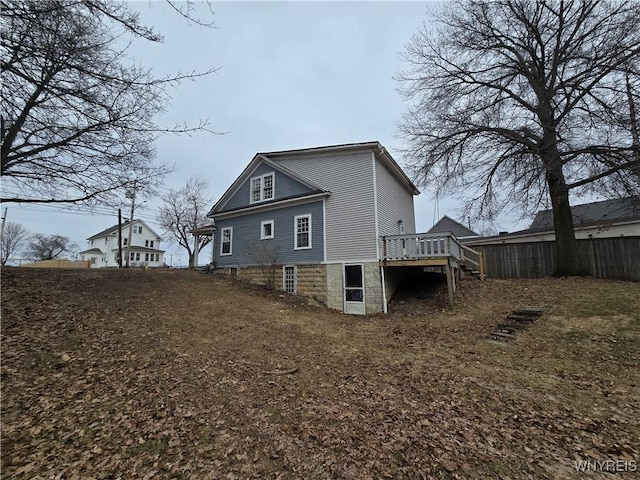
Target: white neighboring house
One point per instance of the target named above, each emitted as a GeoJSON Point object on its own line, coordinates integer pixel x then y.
{"type": "Point", "coordinates": [605, 219]}
{"type": "Point", "coordinates": [102, 251]}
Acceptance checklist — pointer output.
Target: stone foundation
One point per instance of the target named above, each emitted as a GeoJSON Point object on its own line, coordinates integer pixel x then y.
{"type": "Point", "coordinates": [372, 286]}
{"type": "Point", "coordinates": [310, 279]}
{"type": "Point", "coordinates": [323, 283]}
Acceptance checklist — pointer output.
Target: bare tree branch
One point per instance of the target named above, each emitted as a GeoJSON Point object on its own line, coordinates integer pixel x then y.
{"type": "Point", "coordinates": [516, 103]}
{"type": "Point", "coordinates": [77, 114]}
{"type": "Point", "coordinates": [184, 210]}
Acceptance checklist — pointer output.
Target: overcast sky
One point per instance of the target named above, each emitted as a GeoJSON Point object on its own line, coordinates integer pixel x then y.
{"type": "Point", "coordinates": [292, 75]}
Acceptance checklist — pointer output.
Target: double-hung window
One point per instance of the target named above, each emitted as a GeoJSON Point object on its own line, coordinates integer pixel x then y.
{"type": "Point", "coordinates": [148, 243]}
{"type": "Point", "coordinates": [302, 228]}
{"type": "Point", "coordinates": [226, 241]}
{"type": "Point", "coordinates": [262, 188]}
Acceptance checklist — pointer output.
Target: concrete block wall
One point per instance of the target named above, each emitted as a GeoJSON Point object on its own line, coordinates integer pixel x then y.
{"type": "Point", "coordinates": [324, 283]}
{"type": "Point", "coordinates": [335, 291]}
{"type": "Point", "coordinates": [373, 288]}
{"type": "Point", "coordinates": [255, 275]}
{"type": "Point", "coordinates": [372, 284]}
{"type": "Point", "coordinates": [311, 281]}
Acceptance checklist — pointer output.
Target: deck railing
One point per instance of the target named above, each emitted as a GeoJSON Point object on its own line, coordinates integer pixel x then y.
{"type": "Point", "coordinates": [420, 246]}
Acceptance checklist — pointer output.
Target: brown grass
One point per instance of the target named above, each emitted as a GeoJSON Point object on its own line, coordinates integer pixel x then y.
{"type": "Point", "coordinates": [122, 374]}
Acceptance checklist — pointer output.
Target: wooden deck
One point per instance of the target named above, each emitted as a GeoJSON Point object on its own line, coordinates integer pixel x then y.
{"type": "Point", "coordinates": [432, 250]}
{"type": "Point", "coordinates": [428, 249]}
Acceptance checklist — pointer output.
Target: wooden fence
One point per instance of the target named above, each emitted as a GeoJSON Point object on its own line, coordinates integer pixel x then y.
{"type": "Point", "coordinates": [58, 263]}
{"type": "Point", "coordinates": [609, 258]}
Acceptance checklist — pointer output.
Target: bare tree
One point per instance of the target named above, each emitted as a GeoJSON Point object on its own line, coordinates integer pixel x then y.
{"type": "Point", "coordinates": [77, 113]}
{"type": "Point", "coordinates": [13, 238]}
{"type": "Point", "coordinates": [184, 210]}
{"type": "Point", "coordinates": [518, 103]}
{"type": "Point", "coordinates": [48, 247]}
{"type": "Point", "coordinates": [266, 254]}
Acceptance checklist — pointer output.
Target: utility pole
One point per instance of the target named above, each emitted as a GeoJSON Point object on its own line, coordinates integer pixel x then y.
{"type": "Point", "coordinates": [132, 195]}
{"type": "Point", "coordinates": [119, 238]}
{"type": "Point", "coordinates": [4, 217]}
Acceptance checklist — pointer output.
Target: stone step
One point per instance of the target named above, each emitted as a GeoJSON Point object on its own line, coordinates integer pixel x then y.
{"type": "Point", "coordinates": [503, 335]}
{"type": "Point", "coordinates": [530, 311]}
{"type": "Point", "coordinates": [513, 326]}
{"type": "Point", "coordinates": [521, 318]}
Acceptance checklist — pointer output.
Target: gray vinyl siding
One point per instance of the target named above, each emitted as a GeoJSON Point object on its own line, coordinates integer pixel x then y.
{"type": "Point", "coordinates": [285, 187]}
{"type": "Point", "coordinates": [246, 236]}
{"type": "Point", "coordinates": [394, 203]}
{"type": "Point", "coordinates": [350, 224]}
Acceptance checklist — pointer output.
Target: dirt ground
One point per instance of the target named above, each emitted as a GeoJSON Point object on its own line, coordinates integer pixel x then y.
{"type": "Point", "coordinates": [173, 374]}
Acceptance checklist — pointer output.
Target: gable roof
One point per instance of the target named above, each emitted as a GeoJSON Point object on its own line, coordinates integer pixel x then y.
{"type": "Point", "coordinates": [375, 146]}
{"type": "Point", "coordinates": [114, 229]}
{"type": "Point", "coordinates": [266, 157]}
{"type": "Point", "coordinates": [258, 159]}
{"type": "Point", "coordinates": [605, 212]}
{"type": "Point", "coordinates": [92, 250]}
{"type": "Point", "coordinates": [447, 224]}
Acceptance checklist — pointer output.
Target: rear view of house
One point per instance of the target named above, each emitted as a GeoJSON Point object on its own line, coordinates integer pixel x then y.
{"type": "Point", "coordinates": [316, 215]}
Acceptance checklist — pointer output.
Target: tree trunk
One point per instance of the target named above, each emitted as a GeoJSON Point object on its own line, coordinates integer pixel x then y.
{"type": "Point", "coordinates": [191, 260]}
{"type": "Point", "coordinates": [567, 259]}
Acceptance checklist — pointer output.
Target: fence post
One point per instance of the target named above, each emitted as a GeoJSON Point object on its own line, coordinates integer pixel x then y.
{"type": "Point", "coordinates": [481, 262]}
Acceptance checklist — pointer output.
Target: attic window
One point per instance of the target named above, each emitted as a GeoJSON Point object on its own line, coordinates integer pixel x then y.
{"type": "Point", "coordinates": [262, 188]}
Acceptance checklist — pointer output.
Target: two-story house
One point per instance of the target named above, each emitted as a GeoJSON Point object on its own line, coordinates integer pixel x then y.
{"type": "Point", "coordinates": [144, 251]}
{"type": "Point", "coordinates": [317, 215]}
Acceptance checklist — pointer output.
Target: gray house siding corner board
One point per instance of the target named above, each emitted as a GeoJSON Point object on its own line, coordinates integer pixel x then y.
{"type": "Point", "coordinates": [285, 187]}
{"type": "Point", "coordinates": [394, 204]}
{"type": "Point", "coordinates": [350, 216]}
{"type": "Point", "coordinates": [247, 232]}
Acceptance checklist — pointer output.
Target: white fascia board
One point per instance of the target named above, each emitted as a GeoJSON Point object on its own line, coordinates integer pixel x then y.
{"type": "Point", "coordinates": [269, 206]}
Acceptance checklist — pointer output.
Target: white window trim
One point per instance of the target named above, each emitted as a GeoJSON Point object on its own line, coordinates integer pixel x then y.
{"type": "Point", "coordinates": [284, 278]}
{"type": "Point", "coordinates": [262, 224]}
{"type": "Point", "coordinates": [222, 241]}
{"type": "Point", "coordinates": [295, 232]}
{"type": "Point", "coordinates": [261, 178]}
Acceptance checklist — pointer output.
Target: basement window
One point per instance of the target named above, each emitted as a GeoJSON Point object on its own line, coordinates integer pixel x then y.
{"type": "Point", "coordinates": [289, 278]}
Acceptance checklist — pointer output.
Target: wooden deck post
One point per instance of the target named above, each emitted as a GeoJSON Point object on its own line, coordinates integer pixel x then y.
{"type": "Point", "coordinates": [481, 262]}
{"type": "Point", "coordinates": [450, 286]}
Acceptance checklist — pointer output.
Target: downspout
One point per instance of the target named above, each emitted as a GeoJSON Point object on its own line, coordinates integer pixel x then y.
{"type": "Point", "coordinates": [384, 290]}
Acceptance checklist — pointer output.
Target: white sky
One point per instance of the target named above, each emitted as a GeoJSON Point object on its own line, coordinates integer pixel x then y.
{"type": "Point", "coordinates": [292, 75]}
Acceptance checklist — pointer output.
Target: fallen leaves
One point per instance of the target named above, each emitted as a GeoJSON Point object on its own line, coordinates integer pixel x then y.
{"type": "Point", "coordinates": [206, 382]}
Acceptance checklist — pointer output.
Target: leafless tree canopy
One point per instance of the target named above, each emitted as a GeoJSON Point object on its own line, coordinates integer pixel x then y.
{"type": "Point", "coordinates": [47, 247]}
{"type": "Point", "coordinates": [13, 238]}
{"type": "Point", "coordinates": [184, 210]}
{"type": "Point", "coordinates": [77, 114]}
{"type": "Point", "coordinates": [515, 103]}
